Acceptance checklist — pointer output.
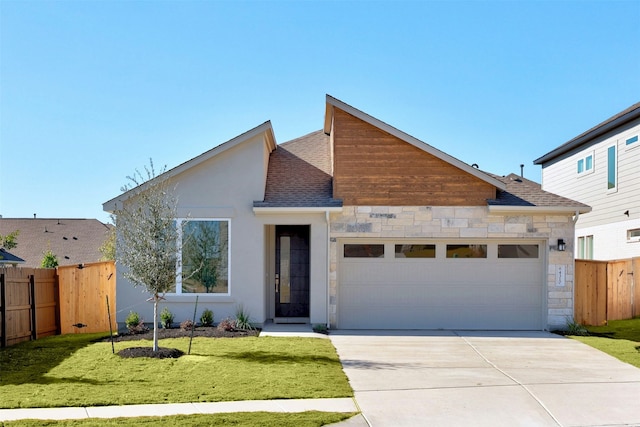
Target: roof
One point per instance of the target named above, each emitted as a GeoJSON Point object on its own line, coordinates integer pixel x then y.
{"type": "Point", "coordinates": [73, 241]}
{"type": "Point", "coordinates": [523, 194]}
{"type": "Point", "coordinates": [8, 258]}
{"type": "Point", "coordinates": [335, 103]}
{"type": "Point", "coordinates": [613, 122]}
{"type": "Point", "coordinates": [300, 175]}
{"type": "Point", "coordinates": [265, 128]}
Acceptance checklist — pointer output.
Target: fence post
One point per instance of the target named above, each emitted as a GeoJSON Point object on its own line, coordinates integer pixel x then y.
{"type": "Point", "coordinates": [3, 311]}
{"type": "Point", "coordinates": [32, 289]}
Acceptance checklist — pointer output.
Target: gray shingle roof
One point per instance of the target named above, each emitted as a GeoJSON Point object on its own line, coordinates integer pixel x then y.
{"type": "Point", "coordinates": [73, 241]}
{"type": "Point", "coordinates": [522, 192]}
{"type": "Point", "coordinates": [299, 174]}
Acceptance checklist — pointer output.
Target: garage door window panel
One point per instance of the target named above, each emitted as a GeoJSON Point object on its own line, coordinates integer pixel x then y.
{"type": "Point", "coordinates": [466, 251]}
{"type": "Point", "coordinates": [415, 251]}
{"type": "Point", "coordinates": [518, 251]}
{"type": "Point", "coordinates": [363, 251]}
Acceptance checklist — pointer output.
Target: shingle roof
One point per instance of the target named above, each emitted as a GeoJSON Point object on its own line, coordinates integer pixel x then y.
{"type": "Point", "coordinates": [73, 241]}
{"type": "Point", "coordinates": [8, 258]}
{"type": "Point", "coordinates": [612, 122]}
{"type": "Point", "coordinates": [299, 174]}
{"type": "Point", "coordinates": [522, 192]}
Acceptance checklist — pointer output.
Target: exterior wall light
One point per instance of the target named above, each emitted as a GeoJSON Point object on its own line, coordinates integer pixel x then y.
{"type": "Point", "coordinates": [561, 245]}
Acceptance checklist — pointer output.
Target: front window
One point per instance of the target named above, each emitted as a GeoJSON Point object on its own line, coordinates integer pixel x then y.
{"type": "Point", "coordinates": [585, 164]}
{"type": "Point", "coordinates": [204, 257]}
{"type": "Point", "coordinates": [611, 168]}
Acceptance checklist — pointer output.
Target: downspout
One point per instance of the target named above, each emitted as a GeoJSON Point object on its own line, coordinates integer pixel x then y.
{"type": "Point", "coordinates": [326, 216]}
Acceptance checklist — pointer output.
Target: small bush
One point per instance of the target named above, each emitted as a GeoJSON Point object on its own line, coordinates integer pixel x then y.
{"type": "Point", "coordinates": [575, 328]}
{"type": "Point", "coordinates": [166, 318]}
{"type": "Point", "coordinates": [187, 325]}
{"type": "Point", "coordinates": [320, 328]}
{"type": "Point", "coordinates": [227, 324]}
{"type": "Point", "coordinates": [206, 319]}
{"type": "Point", "coordinates": [134, 323]}
{"type": "Point", "coordinates": [243, 320]}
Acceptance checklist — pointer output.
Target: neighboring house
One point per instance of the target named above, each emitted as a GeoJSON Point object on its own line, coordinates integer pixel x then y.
{"type": "Point", "coordinates": [73, 241]}
{"type": "Point", "coordinates": [8, 259]}
{"type": "Point", "coordinates": [362, 226]}
{"type": "Point", "coordinates": [601, 167]}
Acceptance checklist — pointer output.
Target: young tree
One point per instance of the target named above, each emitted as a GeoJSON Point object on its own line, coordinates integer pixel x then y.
{"type": "Point", "coordinates": [9, 241]}
{"type": "Point", "coordinates": [50, 260]}
{"type": "Point", "coordinates": [147, 237]}
{"type": "Point", "coordinates": [108, 247]}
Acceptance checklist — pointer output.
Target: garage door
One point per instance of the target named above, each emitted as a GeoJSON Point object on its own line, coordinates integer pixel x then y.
{"type": "Point", "coordinates": [441, 285]}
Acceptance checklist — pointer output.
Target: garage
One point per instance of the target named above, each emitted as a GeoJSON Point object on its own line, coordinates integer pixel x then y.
{"type": "Point", "coordinates": [399, 284]}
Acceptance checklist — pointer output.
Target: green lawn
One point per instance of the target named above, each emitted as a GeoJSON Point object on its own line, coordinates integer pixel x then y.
{"type": "Point", "coordinates": [620, 339]}
{"type": "Point", "coordinates": [245, 419]}
{"type": "Point", "coordinates": [72, 370]}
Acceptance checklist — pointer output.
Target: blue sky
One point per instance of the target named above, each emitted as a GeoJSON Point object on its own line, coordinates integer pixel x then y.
{"type": "Point", "coordinates": [90, 90]}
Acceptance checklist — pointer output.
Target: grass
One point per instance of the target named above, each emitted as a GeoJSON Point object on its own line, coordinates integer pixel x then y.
{"type": "Point", "coordinates": [245, 419]}
{"type": "Point", "coordinates": [73, 370]}
{"type": "Point", "coordinates": [620, 339]}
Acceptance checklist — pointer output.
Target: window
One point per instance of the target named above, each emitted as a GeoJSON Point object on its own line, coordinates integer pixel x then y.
{"type": "Point", "coordinates": [585, 247]}
{"type": "Point", "coordinates": [466, 251]}
{"type": "Point", "coordinates": [517, 251]}
{"type": "Point", "coordinates": [632, 140]}
{"type": "Point", "coordinates": [415, 251]}
{"type": "Point", "coordinates": [363, 251]}
{"type": "Point", "coordinates": [611, 168]}
{"type": "Point", "coordinates": [585, 164]}
{"type": "Point", "coordinates": [203, 257]}
{"type": "Point", "coordinates": [633, 235]}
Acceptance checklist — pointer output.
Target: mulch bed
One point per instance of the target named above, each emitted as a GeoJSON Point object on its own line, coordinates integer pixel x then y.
{"type": "Point", "coordinates": [164, 353]}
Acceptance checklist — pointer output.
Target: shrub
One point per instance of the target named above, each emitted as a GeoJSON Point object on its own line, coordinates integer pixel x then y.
{"type": "Point", "coordinates": [134, 323]}
{"type": "Point", "coordinates": [320, 328]}
{"type": "Point", "coordinates": [575, 328]}
{"type": "Point", "coordinates": [206, 319]}
{"type": "Point", "coordinates": [227, 324]}
{"type": "Point", "coordinates": [243, 320]}
{"type": "Point", "coordinates": [187, 325]}
{"type": "Point", "coordinates": [166, 318]}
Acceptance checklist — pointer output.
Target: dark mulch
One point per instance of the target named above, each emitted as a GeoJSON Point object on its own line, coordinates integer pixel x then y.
{"type": "Point", "coordinates": [162, 353]}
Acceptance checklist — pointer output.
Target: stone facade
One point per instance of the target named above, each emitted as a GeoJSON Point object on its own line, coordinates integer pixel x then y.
{"type": "Point", "coordinates": [474, 222]}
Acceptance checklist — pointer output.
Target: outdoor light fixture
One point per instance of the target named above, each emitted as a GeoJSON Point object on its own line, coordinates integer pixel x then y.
{"type": "Point", "coordinates": [561, 245]}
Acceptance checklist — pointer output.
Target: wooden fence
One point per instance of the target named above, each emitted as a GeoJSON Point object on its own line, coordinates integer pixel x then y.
{"type": "Point", "coordinates": [36, 303]}
{"type": "Point", "coordinates": [606, 290]}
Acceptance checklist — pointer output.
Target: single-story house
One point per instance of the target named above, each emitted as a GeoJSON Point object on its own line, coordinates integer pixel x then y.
{"type": "Point", "coordinates": [362, 226]}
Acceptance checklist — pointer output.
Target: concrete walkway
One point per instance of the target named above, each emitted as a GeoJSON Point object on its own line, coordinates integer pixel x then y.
{"type": "Point", "coordinates": [454, 378]}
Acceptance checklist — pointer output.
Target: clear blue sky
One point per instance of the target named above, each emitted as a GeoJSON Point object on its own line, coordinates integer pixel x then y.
{"type": "Point", "coordinates": [90, 90]}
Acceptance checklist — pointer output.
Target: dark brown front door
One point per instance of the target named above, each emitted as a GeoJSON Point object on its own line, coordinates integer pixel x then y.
{"type": "Point", "coordinates": [292, 271]}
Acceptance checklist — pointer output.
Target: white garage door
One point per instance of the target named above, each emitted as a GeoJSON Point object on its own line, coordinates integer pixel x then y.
{"type": "Point", "coordinates": [441, 285]}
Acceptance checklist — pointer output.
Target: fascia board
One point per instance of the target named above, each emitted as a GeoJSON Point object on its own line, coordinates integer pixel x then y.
{"type": "Point", "coordinates": [409, 139]}
{"type": "Point", "coordinates": [539, 209]}
{"type": "Point", "coordinates": [266, 128]}
{"type": "Point", "coordinates": [289, 210]}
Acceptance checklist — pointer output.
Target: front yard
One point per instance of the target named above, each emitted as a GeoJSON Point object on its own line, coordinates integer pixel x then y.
{"type": "Point", "coordinates": [620, 339]}
{"type": "Point", "coordinates": [73, 370]}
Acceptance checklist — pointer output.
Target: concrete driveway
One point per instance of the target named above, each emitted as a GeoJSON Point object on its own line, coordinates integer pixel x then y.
{"type": "Point", "coordinates": [467, 378]}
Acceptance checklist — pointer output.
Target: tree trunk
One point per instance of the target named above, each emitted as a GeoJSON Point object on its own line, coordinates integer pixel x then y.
{"type": "Point", "coordinates": [155, 322]}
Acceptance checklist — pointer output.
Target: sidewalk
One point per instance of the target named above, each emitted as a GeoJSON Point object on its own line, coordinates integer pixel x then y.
{"type": "Point", "coordinates": [346, 404]}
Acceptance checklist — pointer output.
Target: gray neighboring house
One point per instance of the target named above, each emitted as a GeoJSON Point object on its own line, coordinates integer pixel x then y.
{"type": "Point", "coordinates": [362, 226]}
{"type": "Point", "coordinates": [73, 241]}
{"type": "Point", "coordinates": [8, 259]}
{"type": "Point", "coordinates": [599, 167]}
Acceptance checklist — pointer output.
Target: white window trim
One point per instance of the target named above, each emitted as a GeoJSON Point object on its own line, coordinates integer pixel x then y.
{"type": "Point", "coordinates": [584, 157]}
{"type": "Point", "coordinates": [633, 239]}
{"type": "Point", "coordinates": [633, 145]}
{"type": "Point", "coordinates": [179, 222]}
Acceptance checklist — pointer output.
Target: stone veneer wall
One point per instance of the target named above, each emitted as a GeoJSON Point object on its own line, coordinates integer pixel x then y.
{"type": "Point", "coordinates": [461, 222]}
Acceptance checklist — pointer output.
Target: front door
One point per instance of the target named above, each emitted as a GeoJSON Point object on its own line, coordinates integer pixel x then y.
{"type": "Point", "coordinates": [292, 271]}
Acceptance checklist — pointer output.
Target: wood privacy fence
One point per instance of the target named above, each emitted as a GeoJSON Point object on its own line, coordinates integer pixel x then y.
{"type": "Point", "coordinates": [36, 303]}
{"type": "Point", "coordinates": [606, 290]}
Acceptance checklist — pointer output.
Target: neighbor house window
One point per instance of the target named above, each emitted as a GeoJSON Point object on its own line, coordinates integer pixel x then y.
{"type": "Point", "coordinates": [517, 251]}
{"type": "Point", "coordinates": [631, 140]}
{"type": "Point", "coordinates": [585, 247]}
{"type": "Point", "coordinates": [585, 164]}
{"type": "Point", "coordinates": [633, 235]}
{"type": "Point", "coordinates": [415, 251]}
{"type": "Point", "coordinates": [611, 168]}
{"type": "Point", "coordinates": [466, 251]}
{"type": "Point", "coordinates": [364, 251]}
{"type": "Point", "coordinates": [203, 254]}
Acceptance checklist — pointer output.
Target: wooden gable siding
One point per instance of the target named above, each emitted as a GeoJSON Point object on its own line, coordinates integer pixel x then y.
{"type": "Point", "coordinates": [375, 168]}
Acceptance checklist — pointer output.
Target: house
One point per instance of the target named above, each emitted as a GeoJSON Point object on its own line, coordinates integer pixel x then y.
{"type": "Point", "coordinates": [8, 259]}
{"type": "Point", "coordinates": [362, 226]}
{"type": "Point", "coordinates": [600, 168]}
{"type": "Point", "coordinates": [73, 241]}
